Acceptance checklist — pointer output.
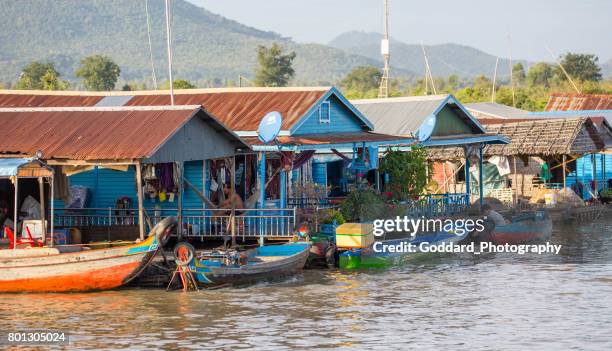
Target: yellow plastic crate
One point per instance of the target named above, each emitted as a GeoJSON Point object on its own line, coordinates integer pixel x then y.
{"type": "Point", "coordinates": [354, 235]}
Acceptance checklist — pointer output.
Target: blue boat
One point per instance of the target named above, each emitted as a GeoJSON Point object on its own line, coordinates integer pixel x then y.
{"type": "Point", "coordinates": [231, 267]}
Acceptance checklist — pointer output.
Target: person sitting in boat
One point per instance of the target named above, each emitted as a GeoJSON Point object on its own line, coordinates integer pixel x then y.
{"type": "Point", "coordinates": [232, 200]}
{"type": "Point", "coordinates": [492, 215]}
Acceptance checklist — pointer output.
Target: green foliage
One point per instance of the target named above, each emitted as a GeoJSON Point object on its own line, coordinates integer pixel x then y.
{"type": "Point", "coordinates": [583, 67]}
{"type": "Point", "coordinates": [518, 74]}
{"type": "Point", "coordinates": [42, 76]}
{"type": "Point", "coordinates": [362, 81]}
{"type": "Point", "coordinates": [362, 204]}
{"type": "Point", "coordinates": [541, 74]}
{"type": "Point", "coordinates": [179, 84]}
{"type": "Point", "coordinates": [408, 171]}
{"type": "Point", "coordinates": [329, 215]}
{"type": "Point", "coordinates": [275, 68]}
{"type": "Point", "coordinates": [99, 73]}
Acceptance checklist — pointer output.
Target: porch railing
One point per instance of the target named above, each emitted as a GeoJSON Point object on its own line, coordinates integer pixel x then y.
{"type": "Point", "coordinates": [311, 202]}
{"type": "Point", "coordinates": [438, 205]}
{"type": "Point", "coordinates": [247, 223]}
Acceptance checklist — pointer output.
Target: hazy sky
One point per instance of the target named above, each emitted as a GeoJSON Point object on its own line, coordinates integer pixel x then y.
{"type": "Point", "coordinates": [563, 25]}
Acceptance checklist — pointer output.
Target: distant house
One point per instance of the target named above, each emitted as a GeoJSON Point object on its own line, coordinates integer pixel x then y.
{"type": "Point", "coordinates": [592, 167]}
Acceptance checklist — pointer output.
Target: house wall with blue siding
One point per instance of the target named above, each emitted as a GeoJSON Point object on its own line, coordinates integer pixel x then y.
{"type": "Point", "coordinates": [319, 173]}
{"type": "Point", "coordinates": [342, 120]}
{"type": "Point", "coordinates": [107, 185]}
{"type": "Point", "coordinates": [584, 173]}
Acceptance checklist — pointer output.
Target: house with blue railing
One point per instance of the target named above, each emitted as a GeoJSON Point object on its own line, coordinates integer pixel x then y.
{"type": "Point", "coordinates": [115, 169]}
{"type": "Point", "coordinates": [443, 125]}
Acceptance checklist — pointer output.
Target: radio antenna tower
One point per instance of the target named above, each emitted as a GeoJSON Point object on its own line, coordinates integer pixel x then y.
{"type": "Point", "coordinates": [383, 91]}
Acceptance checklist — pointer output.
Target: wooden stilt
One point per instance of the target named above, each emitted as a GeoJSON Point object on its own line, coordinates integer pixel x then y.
{"type": "Point", "coordinates": [188, 281]}
{"type": "Point", "coordinates": [141, 220]}
{"type": "Point", "coordinates": [41, 189]}
{"type": "Point", "coordinates": [564, 175]}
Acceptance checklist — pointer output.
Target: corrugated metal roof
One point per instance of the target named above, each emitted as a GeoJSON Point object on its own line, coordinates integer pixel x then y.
{"type": "Point", "coordinates": [495, 110]}
{"type": "Point", "coordinates": [399, 116]}
{"type": "Point", "coordinates": [27, 99]}
{"type": "Point", "coordinates": [242, 111]}
{"type": "Point", "coordinates": [90, 134]}
{"type": "Point", "coordinates": [577, 102]}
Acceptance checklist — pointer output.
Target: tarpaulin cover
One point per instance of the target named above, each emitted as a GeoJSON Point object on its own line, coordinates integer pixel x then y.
{"type": "Point", "coordinates": [10, 166]}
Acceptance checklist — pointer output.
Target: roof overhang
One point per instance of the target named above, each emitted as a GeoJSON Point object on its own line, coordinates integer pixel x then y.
{"type": "Point", "coordinates": [330, 141]}
{"type": "Point", "coordinates": [460, 140]}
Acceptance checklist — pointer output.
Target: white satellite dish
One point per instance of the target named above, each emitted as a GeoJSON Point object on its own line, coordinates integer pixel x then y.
{"type": "Point", "coordinates": [426, 129]}
{"type": "Point", "coordinates": [269, 127]}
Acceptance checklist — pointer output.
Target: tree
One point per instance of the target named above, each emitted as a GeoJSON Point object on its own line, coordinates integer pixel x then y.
{"type": "Point", "coordinates": [408, 171]}
{"type": "Point", "coordinates": [179, 84]}
{"type": "Point", "coordinates": [581, 66]}
{"type": "Point", "coordinates": [540, 75]}
{"type": "Point", "coordinates": [361, 81]}
{"type": "Point", "coordinates": [275, 68]}
{"type": "Point", "coordinates": [518, 74]}
{"type": "Point", "coordinates": [98, 73]}
{"type": "Point", "coordinates": [38, 75]}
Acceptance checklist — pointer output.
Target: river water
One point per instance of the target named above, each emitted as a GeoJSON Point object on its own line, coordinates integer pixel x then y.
{"type": "Point", "coordinates": [500, 302]}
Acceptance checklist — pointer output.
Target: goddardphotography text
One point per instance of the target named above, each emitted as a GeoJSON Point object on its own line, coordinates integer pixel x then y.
{"type": "Point", "coordinates": [460, 227]}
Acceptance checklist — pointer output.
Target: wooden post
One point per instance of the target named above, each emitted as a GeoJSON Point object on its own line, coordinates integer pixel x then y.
{"type": "Point", "coordinates": [141, 221]}
{"type": "Point", "coordinates": [515, 182]}
{"type": "Point", "coordinates": [233, 193]}
{"type": "Point", "coordinates": [480, 176]}
{"type": "Point", "coordinates": [594, 178]}
{"type": "Point", "coordinates": [16, 212]}
{"type": "Point", "coordinates": [52, 196]}
{"type": "Point", "coordinates": [180, 197]}
{"type": "Point", "coordinates": [564, 175]}
{"type": "Point", "coordinates": [262, 193]}
{"type": "Point", "coordinates": [41, 189]}
{"type": "Point", "coordinates": [444, 172]}
{"type": "Point", "coordinates": [467, 177]}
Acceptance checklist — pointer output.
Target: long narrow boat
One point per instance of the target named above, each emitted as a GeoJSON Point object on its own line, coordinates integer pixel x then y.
{"type": "Point", "coordinates": [236, 268]}
{"type": "Point", "coordinates": [47, 269]}
{"type": "Point", "coordinates": [369, 258]}
{"type": "Point", "coordinates": [525, 227]}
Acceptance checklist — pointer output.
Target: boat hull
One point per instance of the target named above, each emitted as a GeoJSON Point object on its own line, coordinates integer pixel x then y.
{"type": "Point", "coordinates": [527, 228]}
{"type": "Point", "coordinates": [368, 258]}
{"type": "Point", "coordinates": [209, 275]}
{"type": "Point", "coordinates": [88, 270]}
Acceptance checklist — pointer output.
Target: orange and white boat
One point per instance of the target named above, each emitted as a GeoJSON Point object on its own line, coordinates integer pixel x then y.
{"type": "Point", "coordinates": [47, 269]}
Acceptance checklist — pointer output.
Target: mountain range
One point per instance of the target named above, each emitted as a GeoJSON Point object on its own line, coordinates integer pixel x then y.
{"type": "Point", "coordinates": [208, 49]}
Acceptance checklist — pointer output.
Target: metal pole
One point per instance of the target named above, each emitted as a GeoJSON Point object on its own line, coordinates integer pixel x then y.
{"type": "Point", "coordinates": [16, 212]}
{"type": "Point", "coordinates": [181, 195]}
{"type": "Point", "coordinates": [169, 44]}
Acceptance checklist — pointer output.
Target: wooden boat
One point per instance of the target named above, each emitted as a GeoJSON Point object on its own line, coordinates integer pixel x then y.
{"type": "Point", "coordinates": [49, 269]}
{"type": "Point", "coordinates": [230, 267]}
{"type": "Point", "coordinates": [369, 258]}
{"type": "Point", "coordinates": [525, 227]}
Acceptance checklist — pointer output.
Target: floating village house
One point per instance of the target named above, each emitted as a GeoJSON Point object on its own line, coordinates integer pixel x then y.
{"type": "Point", "coordinates": [439, 122]}
{"type": "Point", "coordinates": [578, 139]}
{"type": "Point", "coordinates": [104, 152]}
{"type": "Point", "coordinates": [189, 176]}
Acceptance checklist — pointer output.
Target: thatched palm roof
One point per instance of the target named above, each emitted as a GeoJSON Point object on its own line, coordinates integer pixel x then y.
{"type": "Point", "coordinates": [546, 137]}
